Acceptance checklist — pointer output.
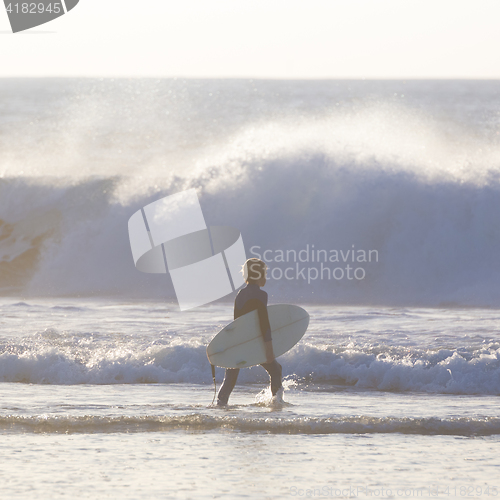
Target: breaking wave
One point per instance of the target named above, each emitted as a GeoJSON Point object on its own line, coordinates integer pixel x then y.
{"type": "Point", "coordinates": [422, 190]}
{"type": "Point", "coordinates": [60, 359]}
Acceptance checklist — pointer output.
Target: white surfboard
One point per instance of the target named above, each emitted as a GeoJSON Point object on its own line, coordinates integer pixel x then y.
{"type": "Point", "coordinates": [240, 344]}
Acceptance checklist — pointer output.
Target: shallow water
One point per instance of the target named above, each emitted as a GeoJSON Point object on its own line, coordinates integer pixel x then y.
{"type": "Point", "coordinates": [105, 398]}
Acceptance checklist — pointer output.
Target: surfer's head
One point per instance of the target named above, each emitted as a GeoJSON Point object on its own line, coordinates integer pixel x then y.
{"type": "Point", "coordinates": [254, 271]}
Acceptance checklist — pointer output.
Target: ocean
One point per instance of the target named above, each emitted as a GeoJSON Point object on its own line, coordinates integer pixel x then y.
{"type": "Point", "coordinates": [375, 205]}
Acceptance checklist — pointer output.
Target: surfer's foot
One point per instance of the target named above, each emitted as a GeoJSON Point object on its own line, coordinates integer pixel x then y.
{"type": "Point", "coordinates": [279, 395]}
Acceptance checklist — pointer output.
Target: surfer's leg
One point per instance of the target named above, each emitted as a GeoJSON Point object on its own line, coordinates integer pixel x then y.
{"type": "Point", "coordinates": [227, 386]}
{"type": "Point", "coordinates": [275, 371]}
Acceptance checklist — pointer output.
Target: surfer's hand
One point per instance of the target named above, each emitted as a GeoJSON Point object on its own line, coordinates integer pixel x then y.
{"type": "Point", "coordinates": [269, 351]}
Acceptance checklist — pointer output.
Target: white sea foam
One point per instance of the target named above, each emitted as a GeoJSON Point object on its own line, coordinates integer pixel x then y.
{"type": "Point", "coordinates": [57, 358]}
{"type": "Point", "coordinates": [420, 189]}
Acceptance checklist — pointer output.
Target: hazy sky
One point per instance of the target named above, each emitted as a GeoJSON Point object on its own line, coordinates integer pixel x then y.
{"type": "Point", "coordinates": [262, 39]}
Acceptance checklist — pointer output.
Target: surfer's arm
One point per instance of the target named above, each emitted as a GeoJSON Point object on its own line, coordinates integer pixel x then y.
{"type": "Point", "coordinates": [265, 329]}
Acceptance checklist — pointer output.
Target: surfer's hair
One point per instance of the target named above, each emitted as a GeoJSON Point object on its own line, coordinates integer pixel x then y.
{"type": "Point", "coordinates": [253, 270]}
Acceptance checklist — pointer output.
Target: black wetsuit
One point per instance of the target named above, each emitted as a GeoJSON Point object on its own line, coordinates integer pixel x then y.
{"type": "Point", "coordinates": [248, 299]}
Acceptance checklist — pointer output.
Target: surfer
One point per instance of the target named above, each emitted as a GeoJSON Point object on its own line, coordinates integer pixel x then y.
{"type": "Point", "coordinates": [248, 299]}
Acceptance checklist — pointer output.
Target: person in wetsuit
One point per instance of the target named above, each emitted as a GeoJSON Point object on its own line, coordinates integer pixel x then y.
{"type": "Point", "coordinates": [248, 299]}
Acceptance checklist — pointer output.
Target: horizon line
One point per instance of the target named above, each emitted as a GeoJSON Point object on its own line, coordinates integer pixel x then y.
{"type": "Point", "coordinates": [263, 78]}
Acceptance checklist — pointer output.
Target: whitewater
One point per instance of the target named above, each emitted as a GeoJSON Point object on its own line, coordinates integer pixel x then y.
{"type": "Point", "coordinates": [409, 169]}
{"type": "Point", "coordinates": [106, 389]}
